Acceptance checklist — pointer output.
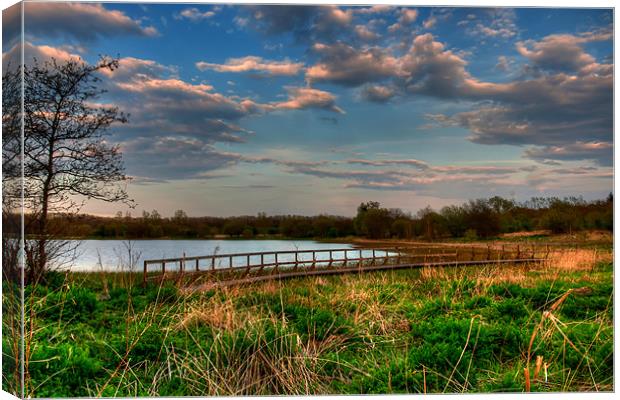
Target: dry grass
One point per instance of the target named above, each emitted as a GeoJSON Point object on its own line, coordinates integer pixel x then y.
{"type": "Point", "coordinates": [576, 259]}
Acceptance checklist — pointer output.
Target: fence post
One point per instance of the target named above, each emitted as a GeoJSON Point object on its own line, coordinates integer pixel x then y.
{"type": "Point", "coordinates": [518, 252]}
{"type": "Point", "coordinates": [197, 264]}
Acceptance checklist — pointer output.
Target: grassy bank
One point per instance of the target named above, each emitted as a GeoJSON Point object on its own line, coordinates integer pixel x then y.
{"type": "Point", "coordinates": [430, 330]}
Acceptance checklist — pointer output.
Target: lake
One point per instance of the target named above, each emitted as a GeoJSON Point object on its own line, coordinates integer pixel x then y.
{"type": "Point", "coordinates": [114, 255]}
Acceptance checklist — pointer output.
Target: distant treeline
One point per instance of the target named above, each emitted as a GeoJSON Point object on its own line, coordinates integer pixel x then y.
{"type": "Point", "coordinates": [482, 218]}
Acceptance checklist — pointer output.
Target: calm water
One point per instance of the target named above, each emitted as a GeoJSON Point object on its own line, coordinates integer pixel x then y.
{"type": "Point", "coordinates": [114, 255]}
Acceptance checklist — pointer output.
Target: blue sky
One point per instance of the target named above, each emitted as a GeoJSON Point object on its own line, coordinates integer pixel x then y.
{"type": "Point", "coordinates": [314, 109]}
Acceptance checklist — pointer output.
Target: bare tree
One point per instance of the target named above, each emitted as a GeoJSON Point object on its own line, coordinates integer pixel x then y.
{"type": "Point", "coordinates": [11, 172]}
{"type": "Point", "coordinates": [67, 159]}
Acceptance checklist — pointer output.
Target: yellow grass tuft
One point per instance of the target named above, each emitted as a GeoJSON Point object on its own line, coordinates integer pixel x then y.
{"type": "Point", "coordinates": [215, 313]}
{"type": "Point", "coordinates": [574, 259]}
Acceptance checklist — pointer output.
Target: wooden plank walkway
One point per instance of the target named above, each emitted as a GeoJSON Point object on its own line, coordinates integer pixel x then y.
{"type": "Point", "coordinates": [239, 268]}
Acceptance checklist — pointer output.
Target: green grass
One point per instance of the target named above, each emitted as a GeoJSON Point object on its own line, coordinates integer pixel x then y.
{"type": "Point", "coordinates": [386, 332]}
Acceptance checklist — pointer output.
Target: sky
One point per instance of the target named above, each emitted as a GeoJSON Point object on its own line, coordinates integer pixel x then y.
{"type": "Point", "coordinates": [236, 110]}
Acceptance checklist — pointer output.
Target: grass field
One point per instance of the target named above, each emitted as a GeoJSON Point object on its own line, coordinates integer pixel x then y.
{"type": "Point", "coordinates": [482, 329]}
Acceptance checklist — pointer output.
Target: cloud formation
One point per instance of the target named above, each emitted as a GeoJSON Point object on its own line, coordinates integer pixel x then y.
{"type": "Point", "coordinates": [173, 157]}
{"type": "Point", "coordinates": [78, 21]}
{"type": "Point", "coordinates": [253, 64]}
{"type": "Point", "coordinates": [600, 152]}
{"type": "Point", "coordinates": [563, 52]}
{"type": "Point", "coordinates": [41, 53]}
{"type": "Point", "coordinates": [306, 97]}
{"type": "Point", "coordinates": [195, 15]}
{"type": "Point", "coordinates": [345, 65]}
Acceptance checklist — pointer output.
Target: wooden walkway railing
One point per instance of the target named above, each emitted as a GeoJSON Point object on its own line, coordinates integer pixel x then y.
{"type": "Point", "coordinates": [252, 267]}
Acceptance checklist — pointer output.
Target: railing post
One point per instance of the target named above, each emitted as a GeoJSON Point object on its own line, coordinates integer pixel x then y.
{"type": "Point", "coordinates": [144, 275]}
{"type": "Point", "coordinates": [397, 255]}
{"type": "Point", "coordinates": [197, 264]}
{"type": "Point", "coordinates": [296, 260]}
{"type": "Point", "coordinates": [275, 268]}
{"type": "Point", "coordinates": [360, 261]}
{"type": "Point", "coordinates": [230, 263]}
{"type": "Point", "coordinates": [346, 261]}
{"type": "Point", "coordinates": [213, 263]}
{"type": "Point", "coordinates": [331, 259]}
{"type": "Point", "coordinates": [518, 252]}
{"type": "Point", "coordinates": [313, 259]}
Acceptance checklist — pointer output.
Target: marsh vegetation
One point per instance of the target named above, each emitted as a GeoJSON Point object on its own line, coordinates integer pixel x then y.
{"type": "Point", "coordinates": [433, 330]}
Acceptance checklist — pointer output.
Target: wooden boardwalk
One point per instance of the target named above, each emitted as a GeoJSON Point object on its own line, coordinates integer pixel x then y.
{"type": "Point", "coordinates": [239, 268]}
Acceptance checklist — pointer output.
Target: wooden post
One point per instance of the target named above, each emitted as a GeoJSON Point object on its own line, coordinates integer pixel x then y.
{"type": "Point", "coordinates": [518, 252]}
{"type": "Point", "coordinates": [313, 259]}
{"type": "Point", "coordinates": [374, 258]}
{"type": "Point", "coordinates": [213, 263]}
{"type": "Point", "coordinates": [262, 261]}
{"type": "Point", "coordinates": [182, 264]}
{"type": "Point", "coordinates": [345, 258]}
{"type": "Point", "coordinates": [144, 275]}
{"type": "Point", "coordinates": [230, 262]}
{"type": "Point", "coordinates": [360, 262]}
{"type": "Point", "coordinates": [547, 252]}
{"type": "Point", "coordinates": [163, 269]}
{"type": "Point", "coordinates": [197, 264]}
{"type": "Point", "coordinates": [397, 255]}
{"type": "Point", "coordinates": [275, 268]}
{"type": "Point", "coordinates": [296, 260]}
{"type": "Point", "coordinates": [331, 259]}
{"type": "Point", "coordinates": [488, 251]}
